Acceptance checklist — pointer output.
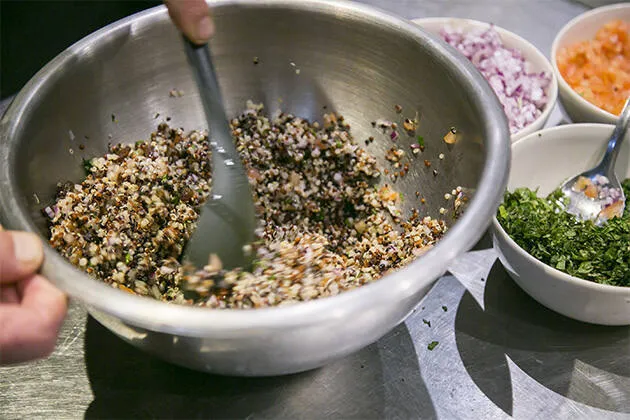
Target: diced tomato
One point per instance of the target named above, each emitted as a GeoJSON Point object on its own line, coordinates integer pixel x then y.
{"type": "Point", "coordinates": [599, 69]}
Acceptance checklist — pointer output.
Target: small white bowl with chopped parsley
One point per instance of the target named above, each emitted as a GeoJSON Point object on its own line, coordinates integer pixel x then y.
{"type": "Point", "coordinates": [575, 268]}
{"type": "Point", "coordinates": [520, 75]}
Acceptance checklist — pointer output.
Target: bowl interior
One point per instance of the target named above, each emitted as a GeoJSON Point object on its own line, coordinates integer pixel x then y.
{"type": "Point", "coordinates": [111, 86]}
{"type": "Point", "coordinates": [536, 62]}
{"type": "Point", "coordinates": [584, 28]}
{"type": "Point", "coordinates": [546, 159]}
{"type": "Point", "coordinates": [112, 90]}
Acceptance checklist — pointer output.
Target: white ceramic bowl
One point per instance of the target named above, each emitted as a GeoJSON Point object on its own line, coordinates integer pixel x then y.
{"type": "Point", "coordinates": [535, 59]}
{"type": "Point", "coordinates": [544, 160]}
{"type": "Point", "coordinates": [582, 28]}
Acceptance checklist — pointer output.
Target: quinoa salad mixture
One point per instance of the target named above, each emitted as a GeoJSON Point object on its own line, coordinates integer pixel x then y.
{"type": "Point", "coordinates": [324, 226]}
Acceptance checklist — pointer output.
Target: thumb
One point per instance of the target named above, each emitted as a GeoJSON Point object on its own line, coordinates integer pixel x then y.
{"type": "Point", "coordinates": [192, 17]}
{"type": "Point", "coordinates": [21, 254]}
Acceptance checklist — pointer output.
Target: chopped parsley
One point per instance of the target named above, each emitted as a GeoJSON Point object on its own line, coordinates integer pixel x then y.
{"type": "Point", "coordinates": [432, 345]}
{"type": "Point", "coordinates": [87, 166]}
{"type": "Point", "coordinates": [420, 141]}
{"type": "Point", "coordinates": [542, 228]}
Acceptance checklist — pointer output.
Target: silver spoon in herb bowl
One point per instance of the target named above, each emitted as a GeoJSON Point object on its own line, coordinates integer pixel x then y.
{"type": "Point", "coordinates": [226, 223]}
{"type": "Point", "coordinates": [597, 194]}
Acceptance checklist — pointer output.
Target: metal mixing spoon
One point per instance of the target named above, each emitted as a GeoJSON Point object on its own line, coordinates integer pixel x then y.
{"type": "Point", "coordinates": [597, 194]}
{"type": "Point", "coordinates": [227, 220]}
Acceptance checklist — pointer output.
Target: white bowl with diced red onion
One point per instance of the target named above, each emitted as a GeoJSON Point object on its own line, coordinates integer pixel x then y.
{"type": "Point", "coordinates": [520, 75]}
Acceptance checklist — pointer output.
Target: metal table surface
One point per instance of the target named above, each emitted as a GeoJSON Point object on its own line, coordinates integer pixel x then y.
{"type": "Point", "coordinates": [500, 354]}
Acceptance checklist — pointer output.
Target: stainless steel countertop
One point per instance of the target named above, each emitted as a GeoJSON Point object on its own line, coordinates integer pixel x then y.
{"type": "Point", "coordinates": [500, 354]}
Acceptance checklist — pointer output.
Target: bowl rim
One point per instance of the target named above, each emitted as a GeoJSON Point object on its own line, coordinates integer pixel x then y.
{"type": "Point", "coordinates": [552, 90]}
{"type": "Point", "coordinates": [555, 45]}
{"type": "Point", "coordinates": [554, 272]}
{"type": "Point", "coordinates": [188, 320]}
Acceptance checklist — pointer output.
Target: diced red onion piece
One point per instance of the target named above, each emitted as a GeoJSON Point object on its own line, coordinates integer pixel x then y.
{"type": "Point", "coordinates": [49, 212]}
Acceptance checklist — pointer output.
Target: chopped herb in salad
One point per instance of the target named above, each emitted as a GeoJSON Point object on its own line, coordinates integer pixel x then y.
{"type": "Point", "coordinates": [580, 248]}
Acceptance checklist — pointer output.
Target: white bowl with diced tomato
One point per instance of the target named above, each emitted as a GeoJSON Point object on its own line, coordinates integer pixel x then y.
{"type": "Point", "coordinates": [525, 84]}
{"type": "Point", "coordinates": [584, 28]}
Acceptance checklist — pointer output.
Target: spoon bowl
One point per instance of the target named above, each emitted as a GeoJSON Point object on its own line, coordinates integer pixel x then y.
{"type": "Point", "coordinates": [596, 194]}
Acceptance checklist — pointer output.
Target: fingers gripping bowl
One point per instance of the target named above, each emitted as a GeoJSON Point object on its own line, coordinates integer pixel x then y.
{"type": "Point", "coordinates": [352, 59]}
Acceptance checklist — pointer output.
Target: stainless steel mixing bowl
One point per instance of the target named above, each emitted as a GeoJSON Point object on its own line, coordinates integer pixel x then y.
{"type": "Point", "coordinates": [359, 61]}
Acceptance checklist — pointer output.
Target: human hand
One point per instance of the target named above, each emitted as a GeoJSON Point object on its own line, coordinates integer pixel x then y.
{"type": "Point", "coordinates": [192, 17]}
{"type": "Point", "coordinates": [31, 309]}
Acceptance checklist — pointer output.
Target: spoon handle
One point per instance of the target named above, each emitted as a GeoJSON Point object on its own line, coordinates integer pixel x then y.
{"type": "Point", "coordinates": [607, 164]}
{"type": "Point", "coordinates": [227, 219]}
{"type": "Point", "coordinates": [219, 131]}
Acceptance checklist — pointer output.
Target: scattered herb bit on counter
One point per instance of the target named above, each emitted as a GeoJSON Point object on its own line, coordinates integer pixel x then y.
{"type": "Point", "coordinates": [323, 226]}
{"type": "Point", "coordinates": [427, 323]}
{"type": "Point", "coordinates": [444, 308]}
{"type": "Point", "coordinates": [599, 69]}
{"type": "Point", "coordinates": [432, 345]}
{"type": "Point", "coordinates": [521, 92]}
{"type": "Point", "coordinates": [580, 248]}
